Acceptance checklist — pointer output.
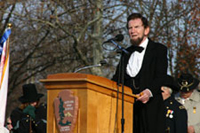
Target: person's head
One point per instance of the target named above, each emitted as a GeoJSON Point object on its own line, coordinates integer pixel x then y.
{"type": "Point", "coordinates": [187, 84]}
{"type": "Point", "coordinates": [168, 87]}
{"type": "Point", "coordinates": [166, 92]}
{"type": "Point", "coordinates": [30, 95]}
{"type": "Point", "coordinates": [138, 28]}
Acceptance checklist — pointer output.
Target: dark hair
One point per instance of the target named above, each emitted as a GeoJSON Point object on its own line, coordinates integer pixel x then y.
{"type": "Point", "coordinates": [136, 16]}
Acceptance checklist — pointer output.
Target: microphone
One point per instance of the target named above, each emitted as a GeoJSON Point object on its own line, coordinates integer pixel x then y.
{"type": "Point", "coordinates": [101, 63]}
{"type": "Point", "coordinates": [117, 38]}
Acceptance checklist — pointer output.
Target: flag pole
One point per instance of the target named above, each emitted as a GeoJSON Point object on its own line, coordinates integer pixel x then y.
{"type": "Point", "coordinates": [9, 25]}
{"type": "Point", "coordinates": [4, 74]}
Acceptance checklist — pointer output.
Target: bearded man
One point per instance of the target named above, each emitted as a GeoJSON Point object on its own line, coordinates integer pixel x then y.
{"type": "Point", "coordinates": [144, 69]}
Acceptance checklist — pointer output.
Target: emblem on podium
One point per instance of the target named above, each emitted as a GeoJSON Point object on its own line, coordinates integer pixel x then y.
{"type": "Point", "coordinates": [66, 111]}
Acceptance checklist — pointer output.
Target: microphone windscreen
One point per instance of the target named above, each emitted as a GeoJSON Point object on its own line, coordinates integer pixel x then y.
{"type": "Point", "coordinates": [119, 37]}
{"type": "Point", "coordinates": [103, 62]}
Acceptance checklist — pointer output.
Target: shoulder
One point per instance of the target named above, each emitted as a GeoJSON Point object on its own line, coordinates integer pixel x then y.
{"type": "Point", "coordinates": [179, 106]}
{"type": "Point", "coordinates": [176, 104]}
{"type": "Point", "coordinates": [41, 111]}
{"type": "Point", "coordinates": [17, 111]}
{"type": "Point", "coordinates": [196, 96]}
{"type": "Point", "coordinates": [42, 106]}
{"type": "Point", "coordinates": [156, 45]}
{"type": "Point", "coordinates": [16, 115]}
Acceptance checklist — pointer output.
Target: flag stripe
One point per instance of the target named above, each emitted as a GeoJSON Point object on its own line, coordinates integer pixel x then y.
{"type": "Point", "coordinates": [4, 73]}
{"type": "Point", "coordinates": [3, 57]}
{"type": "Point", "coordinates": [3, 94]}
{"type": "Point", "coordinates": [5, 35]}
{"type": "Point", "coordinates": [5, 65]}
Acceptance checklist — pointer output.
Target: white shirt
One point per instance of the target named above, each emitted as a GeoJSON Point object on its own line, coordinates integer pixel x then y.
{"type": "Point", "coordinates": [135, 60]}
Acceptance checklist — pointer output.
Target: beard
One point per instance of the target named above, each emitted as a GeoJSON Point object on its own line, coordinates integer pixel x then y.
{"type": "Point", "coordinates": [137, 41]}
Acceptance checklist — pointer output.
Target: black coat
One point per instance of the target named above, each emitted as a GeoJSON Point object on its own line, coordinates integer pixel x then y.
{"type": "Point", "coordinates": [176, 116]}
{"type": "Point", "coordinates": [21, 121]}
{"type": "Point", "coordinates": [149, 117]}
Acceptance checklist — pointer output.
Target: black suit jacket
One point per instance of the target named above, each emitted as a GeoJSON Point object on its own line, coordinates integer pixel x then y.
{"type": "Point", "coordinates": [176, 116]}
{"type": "Point", "coordinates": [149, 117]}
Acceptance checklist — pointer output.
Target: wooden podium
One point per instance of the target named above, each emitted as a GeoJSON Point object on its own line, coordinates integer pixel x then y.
{"type": "Point", "coordinates": [99, 109]}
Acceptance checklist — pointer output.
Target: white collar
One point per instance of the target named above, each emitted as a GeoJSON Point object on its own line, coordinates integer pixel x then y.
{"type": "Point", "coordinates": [144, 44]}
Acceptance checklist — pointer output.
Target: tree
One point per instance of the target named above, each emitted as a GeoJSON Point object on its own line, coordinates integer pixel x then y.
{"type": "Point", "coordinates": [57, 36]}
{"type": "Point", "coordinates": [188, 53]}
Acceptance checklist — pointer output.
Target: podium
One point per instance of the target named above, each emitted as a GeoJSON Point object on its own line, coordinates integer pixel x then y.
{"type": "Point", "coordinates": [100, 103]}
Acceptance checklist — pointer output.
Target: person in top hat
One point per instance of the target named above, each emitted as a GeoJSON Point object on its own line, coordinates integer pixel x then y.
{"type": "Point", "coordinates": [176, 114]}
{"type": "Point", "coordinates": [190, 98]}
{"type": "Point", "coordinates": [30, 116]}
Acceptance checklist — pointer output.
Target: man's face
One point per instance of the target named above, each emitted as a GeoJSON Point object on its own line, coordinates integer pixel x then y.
{"type": "Point", "coordinates": [186, 94]}
{"type": "Point", "coordinates": [137, 32]}
{"type": "Point", "coordinates": [34, 104]}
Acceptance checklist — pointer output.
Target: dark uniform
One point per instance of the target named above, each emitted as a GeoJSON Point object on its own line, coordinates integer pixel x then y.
{"type": "Point", "coordinates": [23, 123]}
{"type": "Point", "coordinates": [176, 116]}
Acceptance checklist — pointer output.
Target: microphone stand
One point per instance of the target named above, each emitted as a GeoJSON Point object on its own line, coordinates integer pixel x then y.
{"type": "Point", "coordinates": [86, 67]}
{"type": "Point", "coordinates": [121, 68]}
{"type": "Point", "coordinates": [122, 82]}
{"type": "Point", "coordinates": [121, 77]}
{"type": "Point", "coordinates": [102, 62]}
{"type": "Point", "coordinates": [119, 47]}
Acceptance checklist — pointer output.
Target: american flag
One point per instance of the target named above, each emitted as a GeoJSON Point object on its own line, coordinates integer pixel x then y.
{"type": "Point", "coordinates": [4, 73]}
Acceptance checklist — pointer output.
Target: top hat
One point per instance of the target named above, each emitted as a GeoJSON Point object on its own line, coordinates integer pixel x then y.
{"type": "Point", "coordinates": [187, 82]}
{"type": "Point", "coordinates": [30, 94]}
{"type": "Point", "coordinates": [170, 82]}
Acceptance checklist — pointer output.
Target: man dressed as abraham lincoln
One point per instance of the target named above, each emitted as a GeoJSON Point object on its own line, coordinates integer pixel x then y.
{"type": "Point", "coordinates": [144, 69]}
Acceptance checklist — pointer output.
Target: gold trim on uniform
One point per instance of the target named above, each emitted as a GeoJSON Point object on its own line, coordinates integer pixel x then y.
{"type": "Point", "coordinates": [181, 107]}
{"type": "Point", "coordinates": [194, 110]}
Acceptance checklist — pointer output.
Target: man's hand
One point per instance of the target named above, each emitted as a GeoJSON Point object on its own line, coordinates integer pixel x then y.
{"type": "Point", "coordinates": [144, 96]}
{"type": "Point", "coordinates": [9, 124]}
{"type": "Point", "coordinates": [191, 129]}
